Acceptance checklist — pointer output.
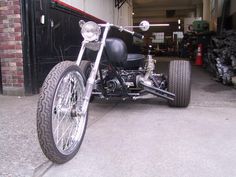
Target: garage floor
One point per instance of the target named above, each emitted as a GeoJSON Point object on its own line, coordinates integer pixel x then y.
{"type": "Point", "coordinates": [143, 138]}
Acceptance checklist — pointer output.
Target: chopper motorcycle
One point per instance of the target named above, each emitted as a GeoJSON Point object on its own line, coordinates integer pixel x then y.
{"type": "Point", "coordinates": [109, 71]}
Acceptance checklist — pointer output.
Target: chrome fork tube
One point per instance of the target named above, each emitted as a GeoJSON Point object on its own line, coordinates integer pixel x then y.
{"type": "Point", "coordinates": [92, 76]}
{"type": "Point", "coordinates": [150, 67]}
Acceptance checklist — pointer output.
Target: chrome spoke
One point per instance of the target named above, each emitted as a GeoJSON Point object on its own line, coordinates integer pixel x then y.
{"type": "Point", "coordinates": [64, 133]}
{"type": "Point", "coordinates": [60, 121]}
{"type": "Point", "coordinates": [67, 127]}
{"type": "Point", "coordinates": [69, 137]}
{"type": "Point", "coordinates": [64, 116]}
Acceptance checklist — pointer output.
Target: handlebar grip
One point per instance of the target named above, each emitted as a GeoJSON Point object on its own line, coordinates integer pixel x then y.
{"type": "Point", "coordinates": [138, 35]}
{"type": "Point", "coordinates": [116, 27]}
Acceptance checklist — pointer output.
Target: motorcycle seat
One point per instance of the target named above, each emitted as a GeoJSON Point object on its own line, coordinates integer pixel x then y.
{"type": "Point", "coordinates": [134, 61]}
{"type": "Point", "coordinates": [133, 56]}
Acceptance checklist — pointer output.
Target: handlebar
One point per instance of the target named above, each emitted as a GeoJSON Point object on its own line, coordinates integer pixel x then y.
{"type": "Point", "coordinates": [138, 35]}
{"type": "Point", "coordinates": [121, 29]}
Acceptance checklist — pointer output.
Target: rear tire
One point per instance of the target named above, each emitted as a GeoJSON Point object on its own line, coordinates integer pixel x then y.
{"type": "Point", "coordinates": [179, 82]}
{"type": "Point", "coordinates": [60, 129]}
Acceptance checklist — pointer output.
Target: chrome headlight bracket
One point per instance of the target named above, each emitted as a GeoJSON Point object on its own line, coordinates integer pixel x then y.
{"type": "Point", "coordinates": [95, 46]}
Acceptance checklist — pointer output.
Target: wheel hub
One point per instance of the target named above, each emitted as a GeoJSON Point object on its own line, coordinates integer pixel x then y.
{"type": "Point", "coordinates": [73, 112]}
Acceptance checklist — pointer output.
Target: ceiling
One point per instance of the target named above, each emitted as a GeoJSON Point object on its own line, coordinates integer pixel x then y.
{"type": "Point", "coordinates": [165, 3]}
{"type": "Point", "coordinates": [162, 11]}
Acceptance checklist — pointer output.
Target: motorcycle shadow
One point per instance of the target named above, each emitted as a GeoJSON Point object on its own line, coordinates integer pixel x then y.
{"type": "Point", "coordinates": [144, 100]}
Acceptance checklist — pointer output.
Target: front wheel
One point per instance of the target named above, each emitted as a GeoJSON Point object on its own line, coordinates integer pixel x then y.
{"type": "Point", "coordinates": [60, 127]}
{"type": "Point", "coordinates": [179, 82]}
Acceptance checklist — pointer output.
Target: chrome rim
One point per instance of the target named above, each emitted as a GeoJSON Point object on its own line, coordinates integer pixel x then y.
{"type": "Point", "coordinates": [67, 125]}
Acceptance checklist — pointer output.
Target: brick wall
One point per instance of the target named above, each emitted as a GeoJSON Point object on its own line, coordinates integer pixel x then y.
{"type": "Point", "coordinates": [11, 47]}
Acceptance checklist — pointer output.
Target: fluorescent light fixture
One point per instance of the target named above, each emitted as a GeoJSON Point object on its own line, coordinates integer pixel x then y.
{"type": "Point", "coordinates": [179, 21]}
{"type": "Point", "coordinates": [161, 24]}
{"type": "Point", "coordinates": [157, 25]}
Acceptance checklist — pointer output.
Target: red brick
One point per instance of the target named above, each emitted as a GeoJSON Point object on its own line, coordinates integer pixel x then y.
{"type": "Point", "coordinates": [17, 11]}
{"type": "Point", "coordinates": [4, 64]}
{"type": "Point", "coordinates": [11, 25]}
{"type": "Point", "coordinates": [6, 55]}
{"type": "Point", "coordinates": [4, 68]}
{"type": "Point", "coordinates": [17, 20]}
{"type": "Point", "coordinates": [4, 25]}
{"type": "Point", "coordinates": [4, 72]}
{"type": "Point", "coordinates": [15, 84]}
{"type": "Point", "coordinates": [18, 38]}
{"type": "Point", "coordinates": [18, 55]}
{"type": "Point", "coordinates": [14, 7]}
{"type": "Point", "coordinates": [6, 39]}
{"type": "Point", "coordinates": [19, 64]}
{"type": "Point", "coordinates": [3, 17]}
{"type": "Point", "coordinates": [20, 80]}
{"type": "Point", "coordinates": [18, 77]}
{"type": "Point", "coordinates": [6, 47]}
{"type": "Point", "coordinates": [16, 2]}
{"type": "Point", "coordinates": [18, 25]}
{"type": "Point", "coordinates": [10, 3]}
{"type": "Point", "coordinates": [18, 29]}
{"type": "Point", "coordinates": [18, 46]}
{"type": "Point", "coordinates": [2, 4]}
{"type": "Point", "coordinates": [11, 43]}
{"type": "Point", "coordinates": [7, 12]}
{"type": "Point", "coordinates": [19, 72]}
{"type": "Point", "coordinates": [2, 35]}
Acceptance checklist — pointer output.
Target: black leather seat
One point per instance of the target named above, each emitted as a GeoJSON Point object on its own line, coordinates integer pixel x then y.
{"type": "Point", "coordinates": [134, 61]}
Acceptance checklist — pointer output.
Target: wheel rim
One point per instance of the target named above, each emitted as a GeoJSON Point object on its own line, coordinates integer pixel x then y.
{"type": "Point", "coordinates": [67, 126]}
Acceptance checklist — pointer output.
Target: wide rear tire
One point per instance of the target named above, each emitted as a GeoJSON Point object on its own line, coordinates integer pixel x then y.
{"type": "Point", "coordinates": [60, 129]}
{"type": "Point", "coordinates": [179, 82]}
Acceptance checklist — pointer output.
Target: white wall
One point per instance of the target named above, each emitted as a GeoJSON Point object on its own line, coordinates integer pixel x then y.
{"type": "Point", "coordinates": [123, 16]}
{"type": "Point", "coordinates": [105, 10]}
{"type": "Point", "coordinates": [232, 7]}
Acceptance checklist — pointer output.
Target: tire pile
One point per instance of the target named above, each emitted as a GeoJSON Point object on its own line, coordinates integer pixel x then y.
{"type": "Point", "coordinates": [220, 58]}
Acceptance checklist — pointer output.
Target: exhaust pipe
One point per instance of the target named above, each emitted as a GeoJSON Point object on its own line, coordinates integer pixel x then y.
{"type": "Point", "coordinates": [158, 92]}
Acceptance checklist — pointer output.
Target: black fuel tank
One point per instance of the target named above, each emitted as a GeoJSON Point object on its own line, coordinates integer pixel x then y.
{"type": "Point", "coordinates": [116, 51]}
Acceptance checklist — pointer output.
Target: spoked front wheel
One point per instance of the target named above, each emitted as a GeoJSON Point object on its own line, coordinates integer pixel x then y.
{"type": "Point", "coordinates": [60, 125]}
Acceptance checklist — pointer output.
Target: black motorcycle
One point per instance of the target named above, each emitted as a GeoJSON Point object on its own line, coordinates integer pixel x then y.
{"type": "Point", "coordinates": [108, 71]}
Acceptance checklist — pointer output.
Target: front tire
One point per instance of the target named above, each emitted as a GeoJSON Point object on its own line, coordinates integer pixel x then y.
{"type": "Point", "coordinates": [60, 129]}
{"type": "Point", "coordinates": [179, 82]}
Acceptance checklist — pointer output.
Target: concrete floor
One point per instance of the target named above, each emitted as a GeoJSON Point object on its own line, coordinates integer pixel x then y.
{"type": "Point", "coordinates": [132, 138]}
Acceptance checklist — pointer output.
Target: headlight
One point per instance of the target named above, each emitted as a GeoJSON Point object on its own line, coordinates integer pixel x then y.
{"type": "Point", "coordinates": [90, 31]}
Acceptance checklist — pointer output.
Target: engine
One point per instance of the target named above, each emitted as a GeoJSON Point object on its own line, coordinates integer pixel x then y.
{"type": "Point", "coordinates": [116, 82]}
{"type": "Point", "coordinates": [112, 83]}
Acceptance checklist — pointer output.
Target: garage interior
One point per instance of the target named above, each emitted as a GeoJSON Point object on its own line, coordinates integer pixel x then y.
{"type": "Point", "coordinates": [130, 138]}
{"type": "Point", "coordinates": [207, 26]}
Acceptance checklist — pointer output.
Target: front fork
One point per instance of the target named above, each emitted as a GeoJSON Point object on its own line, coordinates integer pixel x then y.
{"type": "Point", "coordinates": [93, 73]}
